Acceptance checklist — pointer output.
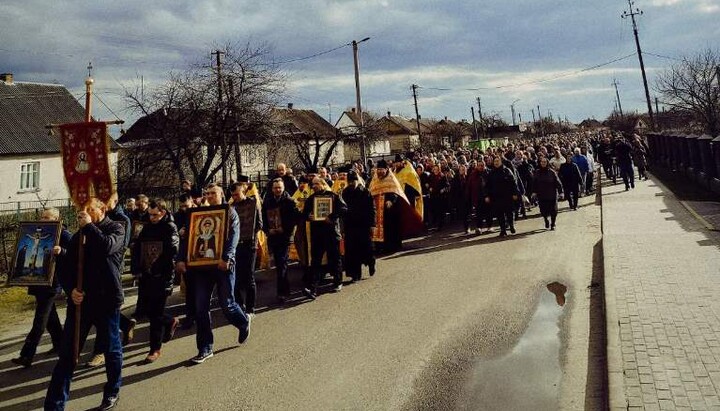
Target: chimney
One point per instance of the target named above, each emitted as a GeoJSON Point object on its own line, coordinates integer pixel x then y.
{"type": "Point", "coordinates": [352, 110]}
{"type": "Point", "coordinates": [445, 118]}
{"type": "Point", "coordinates": [388, 113]}
{"type": "Point", "coordinates": [7, 78]}
{"type": "Point", "coordinates": [290, 106]}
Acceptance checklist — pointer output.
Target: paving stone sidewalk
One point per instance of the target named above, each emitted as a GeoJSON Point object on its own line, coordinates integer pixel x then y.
{"type": "Point", "coordinates": [662, 283]}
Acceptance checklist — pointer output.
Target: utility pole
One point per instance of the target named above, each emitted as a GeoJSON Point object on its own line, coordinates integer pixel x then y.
{"type": "Point", "coordinates": [417, 113]}
{"type": "Point", "coordinates": [479, 103]}
{"type": "Point", "coordinates": [657, 110]}
{"type": "Point", "coordinates": [358, 106]}
{"type": "Point", "coordinates": [223, 147]}
{"type": "Point", "coordinates": [520, 118]}
{"type": "Point", "coordinates": [617, 95]}
{"type": "Point", "coordinates": [512, 110]}
{"type": "Point", "coordinates": [632, 13]}
{"type": "Point", "coordinates": [472, 111]}
{"type": "Point", "coordinates": [533, 113]}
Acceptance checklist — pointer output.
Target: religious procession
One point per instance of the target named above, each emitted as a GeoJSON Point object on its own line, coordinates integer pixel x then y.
{"type": "Point", "coordinates": [329, 221]}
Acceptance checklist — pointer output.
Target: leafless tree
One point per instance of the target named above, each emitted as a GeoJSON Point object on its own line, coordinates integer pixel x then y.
{"type": "Point", "coordinates": [197, 120]}
{"type": "Point", "coordinates": [692, 85]}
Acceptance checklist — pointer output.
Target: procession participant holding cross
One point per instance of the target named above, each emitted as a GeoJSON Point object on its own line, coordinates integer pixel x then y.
{"type": "Point", "coordinates": [99, 303]}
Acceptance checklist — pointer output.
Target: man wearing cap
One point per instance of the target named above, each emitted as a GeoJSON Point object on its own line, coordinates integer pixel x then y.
{"type": "Point", "coordinates": [359, 222]}
{"type": "Point", "coordinates": [249, 213]}
{"type": "Point", "coordinates": [324, 234]}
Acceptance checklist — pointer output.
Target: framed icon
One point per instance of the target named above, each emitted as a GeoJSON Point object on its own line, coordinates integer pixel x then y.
{"type": "Point", "coordinates": [150, 251]}
{"type": "Point", "coordinates": [137, 227]}
{"type": "Point", "coordinates": [206, 235]}
{"type": "Point", "coordinates": [322, 207]}
{"type": "Point", "coordinates": [274, 221]}
{"type": "Point", "coordinates": [33, 260]}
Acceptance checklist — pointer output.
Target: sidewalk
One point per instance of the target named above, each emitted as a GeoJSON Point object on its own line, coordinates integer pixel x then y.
{"type": "Point", "coordinates": [662, 284]}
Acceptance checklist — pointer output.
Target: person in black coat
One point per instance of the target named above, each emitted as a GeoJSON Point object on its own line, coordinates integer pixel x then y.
{"type": "Point", "coordinates": [153, 261]}
{"type": "Point", "coordinates": [459, 197]}
{"type": "Point", "coordinates": [324, 236]}
{"type": "Point", "coordinates": [280, 214]}
{"type": "Point", "coordinates": [546, 186]}
{"type": "Point", "coordinates": [624, 150]}
{"type": "Point", "coordinates": [358, 222]}
{"type": "Point", "coordinates": [288, 180]}
{"type": "Point", "coordinates": [46, 316]}
{"type": "Point", "coordinates": [571, 179]}
{"type": "Point", "coordinates": [251, 222]}
{"type": "Point", "coordinates": [502, 194]}
{"type": "Point", "coordinates": [99, 302]}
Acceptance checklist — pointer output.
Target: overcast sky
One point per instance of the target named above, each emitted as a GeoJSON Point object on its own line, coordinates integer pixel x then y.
{"type": "Point", "coordinates": [501, 49]}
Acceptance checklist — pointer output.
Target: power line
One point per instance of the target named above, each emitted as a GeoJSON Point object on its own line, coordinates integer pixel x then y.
{"type": "Point", "coordinates": [312, 55]}
{"type": "Point", "coordinates": [662, 56]}
{"type": "Point", "coordinates": [544, 80]}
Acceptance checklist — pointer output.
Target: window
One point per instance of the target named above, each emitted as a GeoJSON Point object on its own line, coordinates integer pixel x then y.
{"type": "Point", "coordinates": [30, 176]}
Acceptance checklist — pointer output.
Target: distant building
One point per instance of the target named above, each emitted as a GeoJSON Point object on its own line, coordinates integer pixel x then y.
{"type": "Point", "coordinates": [349, 125]}
{"type": "Point", "coordinates": [30, 161]}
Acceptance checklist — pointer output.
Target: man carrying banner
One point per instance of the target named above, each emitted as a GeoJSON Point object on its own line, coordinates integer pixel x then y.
{"type": "Point", "coordinates": [99, 303]}
{"type": "Point", "coordinates": [395, 217]}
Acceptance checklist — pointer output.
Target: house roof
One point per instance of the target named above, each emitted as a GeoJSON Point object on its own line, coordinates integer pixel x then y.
{"type": "Point", "coordinates": [306, 122]}
{"type": "Point", "coordinates": [25, 110]}
{"type": "Point", "coordinates": [355, 118]}
{"type": "Point", "coordinates": [406, 125]}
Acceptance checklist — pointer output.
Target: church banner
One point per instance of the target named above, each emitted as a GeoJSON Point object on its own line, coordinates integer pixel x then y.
{"type": "Point", "coordinates": [85, 154]}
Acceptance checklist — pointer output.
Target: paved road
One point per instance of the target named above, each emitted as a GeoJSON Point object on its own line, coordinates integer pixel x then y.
{"type": "Point", "coordinates": [405, 339]}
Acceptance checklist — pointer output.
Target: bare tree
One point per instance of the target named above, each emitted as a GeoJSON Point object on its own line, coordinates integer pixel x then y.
{"type": "Point", "coordinates": [197, 120]}
{"type": "Point", "coordinates": [692, 85]}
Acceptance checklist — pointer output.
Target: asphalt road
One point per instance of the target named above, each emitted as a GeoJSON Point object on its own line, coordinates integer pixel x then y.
{"type": "Point", "coordinates": [409, 338]}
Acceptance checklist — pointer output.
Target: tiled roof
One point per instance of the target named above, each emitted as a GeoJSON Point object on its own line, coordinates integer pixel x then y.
{"type": "Point", "coordinates": [25, 110]}
{"type": "Point", "coordinates": [306, 122]}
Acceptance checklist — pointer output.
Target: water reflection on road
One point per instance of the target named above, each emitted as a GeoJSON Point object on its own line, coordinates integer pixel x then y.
{"type": "Point", "coordinates": [529, 376]}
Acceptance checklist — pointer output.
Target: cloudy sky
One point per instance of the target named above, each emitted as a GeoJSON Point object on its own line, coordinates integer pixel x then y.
{"type": "Point", "coordinates": [536, 52]}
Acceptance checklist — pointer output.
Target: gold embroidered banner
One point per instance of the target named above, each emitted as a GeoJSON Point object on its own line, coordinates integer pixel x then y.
{"type": "Point", "coordinates": [85, 156]}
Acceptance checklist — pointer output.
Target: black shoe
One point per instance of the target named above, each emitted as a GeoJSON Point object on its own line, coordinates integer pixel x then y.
{"type": "Point", "coordinates": [309, 294]}
{"type": "Point", "coordinates": [552, 227]}
{"type": "Point", "coordinates": [108, 403]}
{"type": "Point", "coordinates": [372, 269]}
{"type": "Point", "coordinates": [512, 229]}
{"type": "Point", "coordinates": [24, 361]}
{"type": "Point", "coordinates": [503, 234]}
{"type": "Point", "coordinates": [547, 223]}
{"type": "Point", "coordinates": [245, 331]}
{"type": "Point", "coordinates": [202, 357]}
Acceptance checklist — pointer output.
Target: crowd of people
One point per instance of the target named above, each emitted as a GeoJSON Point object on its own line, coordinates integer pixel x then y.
{"type": "Point", "coordinates": [331, 221]}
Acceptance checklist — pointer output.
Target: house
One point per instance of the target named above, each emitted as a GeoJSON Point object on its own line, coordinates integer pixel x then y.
{"type": "Point", "coordinates": [402, 133]}
{"type": "Point", "coordinates": [30, 160]}
{"type": "Point", "coordinates": [501, 132]}
{"type": "Point", "coordinates": [349, 124]}
{"type": "Point", "coordinates": [591, 124]}
{"type": "Point", "coordinates": [302, 135]}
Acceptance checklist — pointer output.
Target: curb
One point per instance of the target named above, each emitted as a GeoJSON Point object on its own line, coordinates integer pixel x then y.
{"type": "Point", "coordinates": [697, 216]}
{"type": "Point", "coordinates": [616, 376]}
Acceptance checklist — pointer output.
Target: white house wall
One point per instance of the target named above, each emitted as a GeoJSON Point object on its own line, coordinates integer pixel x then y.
{"type": "Point", "coordinates": [51, 184]}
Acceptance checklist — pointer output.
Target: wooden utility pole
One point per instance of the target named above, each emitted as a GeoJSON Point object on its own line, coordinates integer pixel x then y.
{"type": "Point", "coordinates": [617, 96]}
{"type": "Point", "coordinates": [358, 105]}
{"type": "Point", "coordinates": [632, 13]}
{"type": "Point", "coordinates": [482, 125]}
{"type": "Point", "coordinates": [472, 112]}
{"type": "Point", "coordinates": [223, 146]}
{"type": "Point", "coordinates": [417, 113]}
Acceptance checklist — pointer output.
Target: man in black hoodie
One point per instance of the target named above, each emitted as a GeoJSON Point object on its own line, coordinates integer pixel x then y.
{"type": "Point", "coordinates": [99, 303]}
{"type": "Point", "coordinates": [153, 261]}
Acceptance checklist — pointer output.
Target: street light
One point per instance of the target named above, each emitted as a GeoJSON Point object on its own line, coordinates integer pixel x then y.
{"type": "Point", "coordinates": [512, 109]}
{"type": "Point", "coordinates": [358, 106]}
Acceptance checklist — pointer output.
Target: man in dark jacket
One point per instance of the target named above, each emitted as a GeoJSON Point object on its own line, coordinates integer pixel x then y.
{"type": "Point", "coordinates": [46, 316]}
{"type": "Point", "coordinates": [571, 178]}
{"type": "Point", "coordinates": [324, 209]}
{"type": "Point", "coordinates": [153, 261]}
{"type": "Point", "coordinates": [289, 181]}
{"type": "Point", "coordinates": [623, 150]}
{"type": "Point", "coordinates": [99, 303]}
{"type": "Point", "coordinates": [502, 193]}
{"type": "Point", "coordinates": [476, 193]}
{"type": "Point", "coordinates": [221, 276]}
{"type": "Point", "coordinates": [249, 213]}
{"type": "Point", "coordinates": [279, 214]}
{"type": "Point", "coordinates": [358, 222]}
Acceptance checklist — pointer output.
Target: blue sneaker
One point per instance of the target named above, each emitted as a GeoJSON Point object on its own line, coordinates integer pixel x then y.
{"type": "Point", "coordinates": [201, 357]}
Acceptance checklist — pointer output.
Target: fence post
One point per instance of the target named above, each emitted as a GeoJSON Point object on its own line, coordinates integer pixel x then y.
{"type": "Point", "coordinates": [17, 213]}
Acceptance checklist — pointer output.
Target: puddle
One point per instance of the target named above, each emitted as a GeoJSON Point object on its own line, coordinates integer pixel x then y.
{"type": "Point", "coordinates": [527, 378]}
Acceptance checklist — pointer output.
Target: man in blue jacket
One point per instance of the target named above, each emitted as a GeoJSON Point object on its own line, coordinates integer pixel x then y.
{"type": "Point", "coordinates": [583, 165]}
{"type": "Point", "coordinates": [222, 276]}
{"type": "Point", "coordinates": [99, 303]}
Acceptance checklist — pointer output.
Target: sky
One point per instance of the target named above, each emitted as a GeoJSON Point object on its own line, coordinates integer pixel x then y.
{"type": "Point", "coordinates": [560, 55]}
